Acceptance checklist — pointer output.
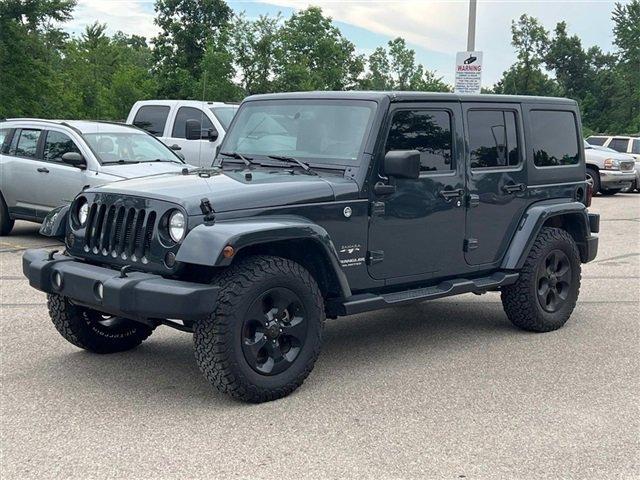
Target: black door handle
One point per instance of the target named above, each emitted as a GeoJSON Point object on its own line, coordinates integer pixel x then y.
{"type": "Point", "coordinates": [514, 187]}
{"type": "Point", "coordinates": [449, 194]}
{"type": "Point", "coordinates": [43, 170]}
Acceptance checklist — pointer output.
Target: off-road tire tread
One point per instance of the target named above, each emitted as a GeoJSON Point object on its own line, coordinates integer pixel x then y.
{"type": "Point", "coordinates": [520, 306]}
{"type": "Point", "coordinates": [70, 323]}
{"type": "Point", "coordinates": [212, 336]}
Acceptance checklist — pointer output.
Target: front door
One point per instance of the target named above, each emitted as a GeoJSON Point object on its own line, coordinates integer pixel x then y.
{"type": "Point", "coordinates": [199, 153]}
{"type": "Point", "coordinates": [497, 180]}
{"type": "Point", "coordinates": [418, 230]}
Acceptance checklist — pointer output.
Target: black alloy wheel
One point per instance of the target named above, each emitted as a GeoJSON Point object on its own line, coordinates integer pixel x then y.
{"type": "Point", "coordinates": [274, 331]}
{"type": "Point", "coordinates": [554, 281]}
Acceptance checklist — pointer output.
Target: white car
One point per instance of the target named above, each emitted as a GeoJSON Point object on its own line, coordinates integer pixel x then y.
{"type": "Point", "coordinates": [44, 164]}
{"type": "Point", "coordinates": [622, 144]}
{"type": "Point", "coordinates": [167, 120]}
{"type": "Point", "coordinates": [608, 171]}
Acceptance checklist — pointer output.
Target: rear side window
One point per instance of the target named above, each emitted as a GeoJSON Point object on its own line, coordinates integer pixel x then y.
{"type": "Point", "coordinates": [190, 113]}
{"type": "Point", "coordinates": [152, 118]}
{"type": "Point", "coordinates": [56, 145]}
{"type": "Point", "coordinates": [555, 138]}
{"type": "Point", "coordinates": [596, 141]}
{"type": "Point", "coordinates": [4, 132]}
{"type": "Point", "coordinates": [619, 144]}
{"type": "Point", "coordinates": [429, 132]}
{"type": "Point", "coordinates": [27, 143]}
{"type": "Point", "coordinates": [493, 139]}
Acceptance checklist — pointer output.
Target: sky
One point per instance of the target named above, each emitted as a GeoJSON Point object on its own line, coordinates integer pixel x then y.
{"type": "Point", "coordinates": [435, 29]}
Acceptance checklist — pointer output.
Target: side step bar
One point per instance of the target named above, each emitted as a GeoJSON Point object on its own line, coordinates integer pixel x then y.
{"type": "Point", "coordinates": [368, 301]}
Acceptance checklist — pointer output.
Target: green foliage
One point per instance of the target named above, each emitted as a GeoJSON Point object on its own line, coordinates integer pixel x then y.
{"type": "Point", "coordinates": [205, 51]}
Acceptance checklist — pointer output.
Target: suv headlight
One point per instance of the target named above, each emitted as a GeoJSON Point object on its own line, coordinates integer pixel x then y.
{"type": "Point", "coordinates": [83, 212]}
{"type": "Point", "coordinates": [177, 226]}
{"type": "Point", "coordinates": [611, 164]}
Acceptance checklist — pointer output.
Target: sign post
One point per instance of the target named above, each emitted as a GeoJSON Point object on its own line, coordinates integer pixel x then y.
{"type": "Point", "coordinates": [468, 72]}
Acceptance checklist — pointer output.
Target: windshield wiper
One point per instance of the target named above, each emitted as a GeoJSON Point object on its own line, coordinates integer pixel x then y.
{"type": "Point", "coordinates": [247, 160]}
{"type": "Point", "coordinates": [120, 162]}
{"type": "Point", "coordinates": [300, 163]}
{"type": "Point", "coordinates": [162, 160]}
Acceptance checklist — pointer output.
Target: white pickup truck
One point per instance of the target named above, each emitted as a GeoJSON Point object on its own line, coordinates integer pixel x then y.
{"type": "Point", "coordinates": [166, 119]}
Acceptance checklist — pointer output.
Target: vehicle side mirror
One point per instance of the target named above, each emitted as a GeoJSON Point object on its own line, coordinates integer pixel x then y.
{"type": "Point", "coordinates": [212, 134]}
{"type": "Point", "coordinates": [193, 129]}
{"type": "Point", "coordinates": [75, 159]}
{"type": "Point", "coordinates": [402, 163]}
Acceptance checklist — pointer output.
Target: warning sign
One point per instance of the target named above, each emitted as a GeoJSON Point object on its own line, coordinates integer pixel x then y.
{"type": "Point", "coordinates": [468, 72]}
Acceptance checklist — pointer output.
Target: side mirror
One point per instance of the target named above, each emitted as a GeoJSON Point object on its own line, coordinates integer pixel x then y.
{"type": "Point", "coordinates": [212, 134]}
{"type": "Point", "coordinates": [193, 129]}
{"type": "Point", "coordinates": [402, 163]}
{"type": "Point", "coordinates": [175, 147]}
{"type": "Point", "coordinates": [75, 159]}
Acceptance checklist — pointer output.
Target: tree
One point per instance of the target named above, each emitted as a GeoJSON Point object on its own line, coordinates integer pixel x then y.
{"type": "Point", "coordinates": [30, 47]}
{"type": "Point", "coordinates": [188, 27]}
{"type": "Point", "coordinates": [396, 69]}
{"type": "Point", "coordinates": [312, 54]}
{"type": "Point", "coordinates": [254, 51]}
{"type": "Point", "coordinates": [569, 61]}
{"type": "Point", "coordinates": [217, 68]}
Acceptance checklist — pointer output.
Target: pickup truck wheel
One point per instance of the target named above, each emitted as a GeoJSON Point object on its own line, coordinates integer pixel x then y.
{"type": "Point", "coordinates": [593, 179]}
{"type": "Point", "coordinates": [93, 331]}
{"type": "Point", "coordinates": [547, 290]}
{"type": "Point", "coordinates": [6, 222]}
{"type": "Point", "coordinates": [265, 334]}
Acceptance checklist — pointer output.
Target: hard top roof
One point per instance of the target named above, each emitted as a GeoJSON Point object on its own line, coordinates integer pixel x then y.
{"type": "Point", "coordinates": [401, 96]}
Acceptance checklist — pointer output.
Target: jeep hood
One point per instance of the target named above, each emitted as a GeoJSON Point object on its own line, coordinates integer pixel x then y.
{"type": "Point", "coordinates": [235, 190]}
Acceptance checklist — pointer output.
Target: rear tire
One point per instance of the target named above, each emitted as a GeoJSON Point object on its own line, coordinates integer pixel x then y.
{"type": "Point", "coordinates": [93, 331]}
{"type": "Point", "coordinates": [546, 292]}
{"type": "Point", "coordinates": [264, 336]}
{"type": "Point", "coordinates": [593, 177]}
{"type": "Point", "coordinates": [609, 193]}
{"type": "Point", "coordinates": [6, 222]}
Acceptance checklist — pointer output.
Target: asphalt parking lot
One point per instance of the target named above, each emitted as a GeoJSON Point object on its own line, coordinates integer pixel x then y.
{"type": "Point", "coordinates": [447, 389]}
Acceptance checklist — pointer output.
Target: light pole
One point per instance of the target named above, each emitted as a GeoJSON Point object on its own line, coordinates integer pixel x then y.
{"type": "Point", "coordinates": [471, 32]}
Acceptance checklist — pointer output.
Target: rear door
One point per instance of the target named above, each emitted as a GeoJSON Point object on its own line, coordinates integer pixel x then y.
{"type": "Point", "coordinates": [418, 230]}
{"type": "Point", "coordinates": [196, 152]}
{"type": "Point", "coordinates": [24, 176]}
{"type": "Point", "coordinates": [497, 179]}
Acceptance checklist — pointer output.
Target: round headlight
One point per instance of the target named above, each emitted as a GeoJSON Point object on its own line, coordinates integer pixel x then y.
{"type": "Point", "coordinates": [177, 226]}
{"type": "Point", "coordinates": [83, 213]}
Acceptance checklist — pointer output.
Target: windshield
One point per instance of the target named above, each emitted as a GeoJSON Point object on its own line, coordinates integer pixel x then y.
{"type": "Point", "coordinates": [125, 147]}
{"type": "Point", "coordinates": [316, 131]}
{"type": "Point", "coordinates": [224, 115]}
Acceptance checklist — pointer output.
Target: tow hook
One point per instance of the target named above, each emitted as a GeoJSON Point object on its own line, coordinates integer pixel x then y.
{"type": "Point", "coordinates": [51, 254]}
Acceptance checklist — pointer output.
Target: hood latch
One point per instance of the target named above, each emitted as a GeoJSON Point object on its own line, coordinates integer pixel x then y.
{"type": "Point", "coordinates": [207, 210]}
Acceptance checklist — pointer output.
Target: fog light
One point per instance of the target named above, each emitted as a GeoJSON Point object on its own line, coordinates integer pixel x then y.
{"type": "Point", "coordinates": [99, 290]}
{"type": "Point", "coordinates": [57, 280]}
{"type": "Point", "coordinates": [170, 259]}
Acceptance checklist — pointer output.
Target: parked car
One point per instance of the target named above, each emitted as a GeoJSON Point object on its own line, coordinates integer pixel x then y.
{"type": "Point", "coordinates": [326, 204]}
{"type": "Point", "coordinates": [622, 144]}
{"type": "Point", "coordinates": [167, 120]}
{"type": "Point", "coordinates": [608, 172]}
{"type": "Point", "coordinates": [46, 163]}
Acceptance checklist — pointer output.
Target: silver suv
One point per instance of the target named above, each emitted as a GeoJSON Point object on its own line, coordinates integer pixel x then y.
{"type": "Point", "coordinates": [46, 163]}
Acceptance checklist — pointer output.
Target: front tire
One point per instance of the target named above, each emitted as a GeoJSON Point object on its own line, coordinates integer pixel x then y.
{"type": "Point", "coordinates": [6, 222]}
{"type": "Point", "coordinates": [610, 192]}
{"type": "Point", "coordinates": [264, 337]}
{"type": "Point", "coordinates": [93, 331]}
{"type": "Point", "coordinates": [546, 292]}
{"type": "Point", "coordinates": [593, 178]}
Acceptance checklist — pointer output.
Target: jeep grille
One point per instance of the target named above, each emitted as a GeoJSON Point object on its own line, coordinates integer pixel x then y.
{"type": "Point", "coordinates": [119, 231]}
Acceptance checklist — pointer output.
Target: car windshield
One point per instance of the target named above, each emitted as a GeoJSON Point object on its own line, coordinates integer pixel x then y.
{"type": "Point", "coordinates": [317, 131]}
{"type": "Point", "coordinates": [225, 115]}
{"type": "Point", "coordinates": [128, 147]}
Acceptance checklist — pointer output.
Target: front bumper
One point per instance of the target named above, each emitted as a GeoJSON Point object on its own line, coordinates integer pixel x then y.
{"type": "Point", "coordinates": [612, 179]}
{"type": "Point", "coordinates": [137, 296]}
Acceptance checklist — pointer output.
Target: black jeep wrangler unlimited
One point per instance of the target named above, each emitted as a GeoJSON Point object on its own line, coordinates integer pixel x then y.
{"type": "Point", "coordinates": [322, 205]}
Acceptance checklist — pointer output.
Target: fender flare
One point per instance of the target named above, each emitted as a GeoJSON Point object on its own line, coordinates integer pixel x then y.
{"type": "Point", "coordinates": [204, 244]}
{"type": "Point", "coordinates": [55, 223]}
{"type": "Point", "coordinates": [531, 224]}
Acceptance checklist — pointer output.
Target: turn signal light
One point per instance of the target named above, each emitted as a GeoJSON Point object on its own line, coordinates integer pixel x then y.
{"type": "Point", "coordinates": [228, 251]}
